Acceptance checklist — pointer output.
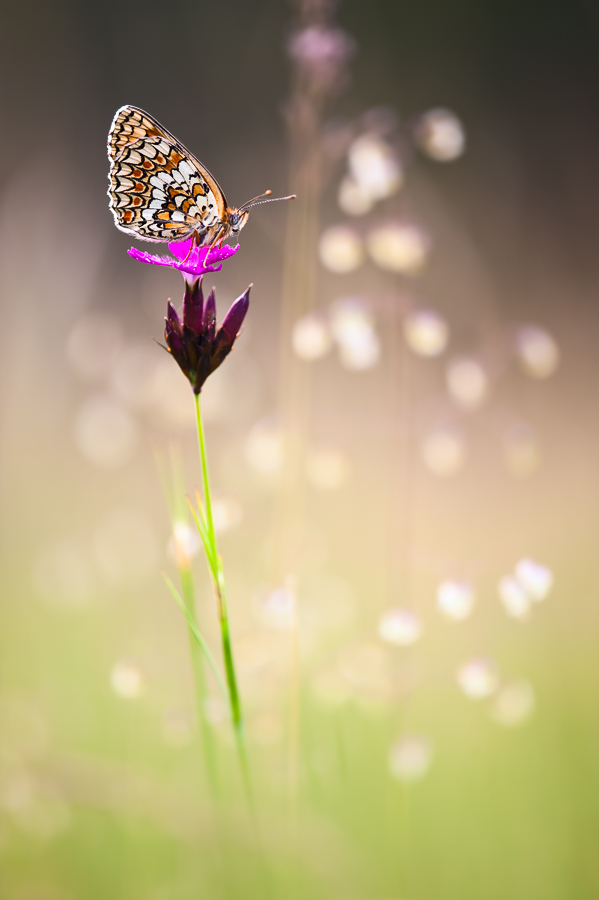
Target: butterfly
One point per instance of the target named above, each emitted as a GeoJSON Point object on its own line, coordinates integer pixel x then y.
{"type": "Point", "coordinates": [159, 191]}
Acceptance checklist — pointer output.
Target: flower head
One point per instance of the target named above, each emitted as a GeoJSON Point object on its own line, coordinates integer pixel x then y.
{"type": "Point", "coordinates": [191, 261]}
{"type": "Point", "coordinates": [194, 341]}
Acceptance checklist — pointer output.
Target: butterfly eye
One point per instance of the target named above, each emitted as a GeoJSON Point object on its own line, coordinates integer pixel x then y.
{"type": "Point", "coordinates": [234, 219]}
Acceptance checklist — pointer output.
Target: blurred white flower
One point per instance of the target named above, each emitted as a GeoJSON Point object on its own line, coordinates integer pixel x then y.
{"type": "Point", "coordinates": [515, 599]}
{"type": "Point", "coordinates": [455, 599]}
{"type": "Point", "coordinates": [276, 608]}
{"type": "Point", "coordinates": [184, 542]}
{"type": "Point", "coordinates": [535, 578]}
{"type": "Point", "coordinates": [400, 626]}
{"type": "Point", "coordinates": [127, 680]}
{"type": "Point", "coordinates": [513, 704]}
{"type": "Point", "coordinates": [312, 337]}
{"type": "Point", "coordinates": [321, 54]}
{"type": "Point", "coordinates": [227, 514]}
{"type": "Point", "coordinates": [478, 678]}
{"type": "Point", "coordinates": [399, 247]}
{"type": "Point", "coordinates": [426, 332]}
{"type": "Point", "coordinates": [538, 351]}
{"type": "Point", "coordinates": [327, 468]}
{"type": "Point", "coordinates": [410, 758]}
{"type": "Point", "coordinates": [340, 249]}
{"type": "Point", "coordinates": [353, 198]}
{"type": "Point", "coordinates": [521, 451]}
{"type": "Point", "coordinates": [467, 382]}
{"type": "Point", "coordinates": [374, 166]}
{"type": "Point", "coordinates": [444, 452]}
{"type": "Point", "coordinates": [353, 330]}
{"type": "Point", "coordinates": [265, 447]}
{"type": "Point", "coordinates": [440, 134]}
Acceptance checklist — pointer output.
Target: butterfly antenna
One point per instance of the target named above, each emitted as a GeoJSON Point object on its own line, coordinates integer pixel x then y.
{"type": "Point", "coordinates": [258, 200]}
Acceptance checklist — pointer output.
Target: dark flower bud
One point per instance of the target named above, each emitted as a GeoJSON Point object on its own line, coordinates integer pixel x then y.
{"type": "Point", "coordinates": [234, 318]}
{"type": "Point", "coordinates": [195, 344]}
{"type": "Point", "coordinates": [209, 318]}
{"type": "Point", "coordinates": [172, 318]}
{"type": "Point", "coordinates": [193, 305]}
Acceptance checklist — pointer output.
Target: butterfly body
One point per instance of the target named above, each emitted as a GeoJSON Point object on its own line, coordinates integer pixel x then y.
{"type": "Point", "coordinates": [159, 191]}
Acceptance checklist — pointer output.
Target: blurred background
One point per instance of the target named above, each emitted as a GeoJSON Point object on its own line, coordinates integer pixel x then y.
{"type": "Point", "coordinates": [403, 448]}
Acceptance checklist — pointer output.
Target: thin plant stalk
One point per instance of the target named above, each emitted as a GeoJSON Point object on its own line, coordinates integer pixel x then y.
{"type": "Point", "coordinates": [197, 646]}
{"type": "Point", "coordinates": [205, 524]}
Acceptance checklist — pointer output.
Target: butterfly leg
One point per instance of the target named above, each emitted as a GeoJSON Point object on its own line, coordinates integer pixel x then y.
{"type": "Point", "coordinates": [194, 240]}
{"type": "Point", "coordinates": [220, 236]}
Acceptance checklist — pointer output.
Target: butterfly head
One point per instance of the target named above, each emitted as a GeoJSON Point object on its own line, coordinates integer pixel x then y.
{"type": "Point", "coordinates": [238, 217]}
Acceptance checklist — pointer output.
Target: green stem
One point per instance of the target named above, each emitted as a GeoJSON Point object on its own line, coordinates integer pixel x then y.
{"type": "Point", "coordinates": [215, 561]}
{"type": "Point", "coordinates": [190, 619]}
{"type": "Point", "coordinates": [196, 651]}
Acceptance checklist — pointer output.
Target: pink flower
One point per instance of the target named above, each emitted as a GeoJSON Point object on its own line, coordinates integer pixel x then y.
{"type": "Point", "coordinates": [194, 263]}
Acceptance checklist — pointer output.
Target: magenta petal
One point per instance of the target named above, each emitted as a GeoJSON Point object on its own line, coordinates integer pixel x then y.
{"type": "Point", "coordinates": [143, 256]}
{"type": "Point", "coordinates": [180, 249]}
{"type": "Point", "coordinates": [200, 260]}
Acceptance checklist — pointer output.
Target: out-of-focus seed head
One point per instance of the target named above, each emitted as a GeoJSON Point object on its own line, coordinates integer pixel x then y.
{"type": "Point", "coordinates": [538, 351]}
{"type": "Point", "coordinates": [426, 332]}
{"type": "Point", "coordinates": [399, 247]}
{"type": "Point", "coordinates": [440, 134]}
{"type": "Point", "coordinates": [467, 382]}
{"type": "Point", "coordinates": [340, 249]}
{"type": "Point", "coordinates": [400, 626]}
{"type": "Point", "coordinates": [455, 599]}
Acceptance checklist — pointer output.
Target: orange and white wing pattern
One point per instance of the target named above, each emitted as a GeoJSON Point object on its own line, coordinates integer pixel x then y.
{"type": "Point", "coordinates": [158, 190]}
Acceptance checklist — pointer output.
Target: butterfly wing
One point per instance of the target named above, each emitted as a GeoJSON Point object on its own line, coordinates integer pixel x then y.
{"type": "Point", "coordinates": [158, 190]}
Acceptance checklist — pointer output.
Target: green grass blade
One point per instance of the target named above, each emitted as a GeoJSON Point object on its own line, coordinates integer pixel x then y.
{"type": "Point", "coordinates": [196, 633]}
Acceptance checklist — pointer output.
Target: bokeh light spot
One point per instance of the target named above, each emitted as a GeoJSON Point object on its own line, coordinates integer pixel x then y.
{"type": "Point", "coordinates": [478, 678]}
{"type": "Point", "coordinates": [455, 599]}
{"type": "Point", "coordinates": [513, 704]}
{"type": "Point", "coordinates": [340, 249]}
{"type": "Point", "coordinates": [312, 337]}
{"type": "Point", "coordinates": [535, 578]}
{"type": "Point", "coordinates": [426, 332]}
{"type": "Point", "coordinates": [264, 447]}
{"type": "Point", "coordinates": [467, 382]}
{"type": "Point", "coordinates": [444, 452]}
{"type": "Point", "coordinates": [410, 758]}
{"type": "Point", "coordinates": [400, 626]}
{"type": "Point", "coordinates": [127, 680]}
{"type": "Point", "coordinates": [537, 350]}
{"type": "Point", "coordinates": [353, 199]}
{"type": "Point", "coordinates": [399, 247]}
{"type": "Point", "coordinates": [327, 469]}
{"type": "Point", "coordinates": [514, 598]}
{"type": "Point", "coordinates": [521, 451]}
{"type": "Point", "coordinates": [227, 514]}
{"type": "Point", "coordinates": [440, 134]}
{"type": "Point", "coordinates": [353, 330]}
{"type": "Point", "coordinates": [374, 166]}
